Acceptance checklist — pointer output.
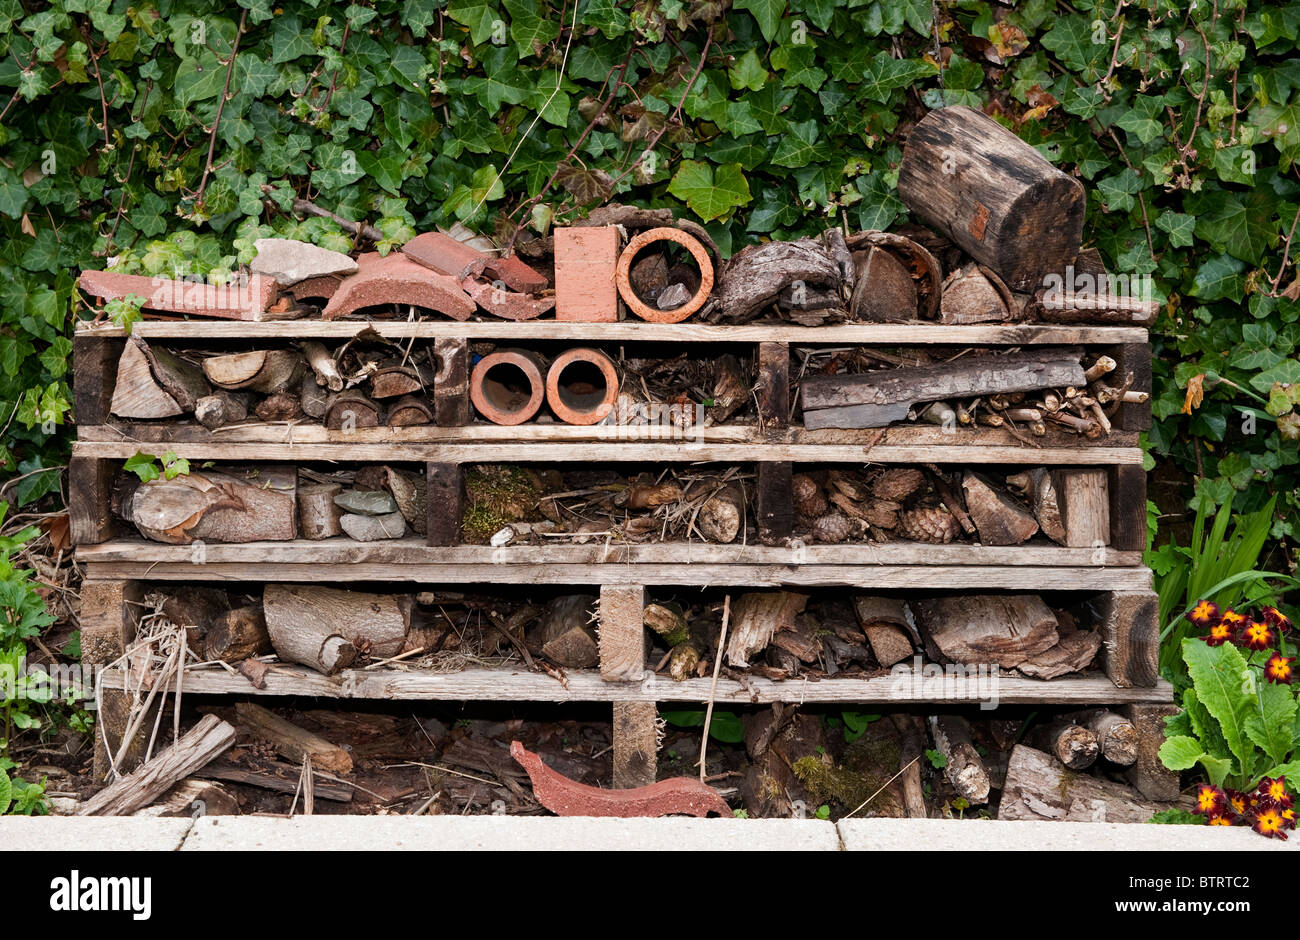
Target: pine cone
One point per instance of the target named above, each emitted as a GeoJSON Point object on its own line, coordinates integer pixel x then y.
{"type": "Point", "coordinates": [897, 483]}
{"type": "Point", "coordinates": [831, 527]}
{"type": "Point", "coordinates": [927, 524]}
{"type": "Point", "coordinates": [809, 501]}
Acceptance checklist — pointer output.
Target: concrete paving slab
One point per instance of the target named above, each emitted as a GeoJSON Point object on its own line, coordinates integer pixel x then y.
{"type": "Point", "coordinates": [505, 833]}
{"type": "Point", "coordinates": [91, 834]}
{"type": "Point", "coordinates": [958, 835]}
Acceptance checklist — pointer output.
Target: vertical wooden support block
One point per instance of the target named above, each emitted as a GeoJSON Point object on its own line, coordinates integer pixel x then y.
{"type": "Point", "coordinates": [1128, 508]}
{"type": "Point", "coordinates": [90, 498]}
{"type": "Point", "coordinates": [94, 373]}
{"type": "Point", "coordinates": [622, 632]}
{"type": "Point", "coordinates": [774, 502]}
{"type": "Point", "coordinates": [773, 391]}
{"type": "Point", "coordinates": [636, 741]}
{"type": "Point", "coordinates": [1135, 358]}
{"type": "Point", "coordinates": [107, 626]}
{"type": "Point", "coordinates": [445, 501]}
{"type": "Point", "coordinates": [451, 382]}
{"type": "Point", "coordinates": [1083, 498]}
{"type": "Point", "coordinates": [586, 260]}
{"type": "Point", "coordinates": [1151, 778]}
{"type": "Point", "coordinates": [1130, 637]}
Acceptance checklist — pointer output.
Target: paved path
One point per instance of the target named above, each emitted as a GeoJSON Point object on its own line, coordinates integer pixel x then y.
{"type": "Point", "coordinates": [389, 833]}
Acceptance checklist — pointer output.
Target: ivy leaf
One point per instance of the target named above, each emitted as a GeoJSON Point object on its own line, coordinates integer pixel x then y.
{"type": "Point", "coordinates": [143, 466]}
{"type": "Point", "coordinates": [748, 72]}
{"type": "Point", "coordinates": [799, 146]}
{"type": "Point", "coordinates": [501, 83]}
{"type": "Point", "coordinates": [768, 106]}
{"type": "Point", "coordinates": [199, 79]}
{"type": "Point", "coordinates": [1178, 226]}
{"type": "Point", "coordinates": [608, 16]}
{"type": "Point", "coordinates": [1238, 224]}
{"type": "Point", "coordinates": [767, 12]}
{"type": "Point", "coordinates": [797, 63]}
{"type": "Point", "coordinates": [884, 73]}
{"type": "Point", "coordinates": [1143, 120]}
{"type": "Point", "coordinates": [528, 28]}
{"type": "Point", "coordinates": [1286, 372]}
{"type": "Point", "coordinates": [880, 204]}
{"type": "Point", "coordinates": [480, 16]}
{"type": "Point", "coordinates": [710, 194]}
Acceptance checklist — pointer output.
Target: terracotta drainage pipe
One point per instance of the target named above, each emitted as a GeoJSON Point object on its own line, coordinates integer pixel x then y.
{"type": "Point", "coordinates": [639, 306]}
{"type": "Point", "coordinates": [506, 386]}
{"type": "Point", "coordinates": [582, 386]}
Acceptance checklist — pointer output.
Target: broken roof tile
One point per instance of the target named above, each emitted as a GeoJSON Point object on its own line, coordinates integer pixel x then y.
{"type": "Point", "coordinates": [396, 279]}
{"type": "Point", "coordinates": [446, 255]}
{"type": "Point", "coordinates": [242, 299]}
{"type": "Point", "coordinates": [505, 303]}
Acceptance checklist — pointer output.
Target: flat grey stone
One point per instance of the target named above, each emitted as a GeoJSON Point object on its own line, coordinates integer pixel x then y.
{"type": "Point", "coordinates": [987, 835]}
{"type": "Point", "coordinates": [498, 833]}
{"type": "Point", "coordinates": [366, 502]}
{"type": "Point", "coordinates": [290, 261]}
{"type": "Point", "coordinates": [373, 528]}
{"type": "Point", "coordinates": [91, 834]}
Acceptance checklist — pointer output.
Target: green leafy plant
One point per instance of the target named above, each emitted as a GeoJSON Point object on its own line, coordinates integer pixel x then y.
{"type": "Point", "coordinates": [936, 758]}
{"type": "Point", "coordinates": [148, 467]}
{"type": "Point", "coordinates": [724, 726]}
{"type": "Point", "coordinates": [1239, 715]}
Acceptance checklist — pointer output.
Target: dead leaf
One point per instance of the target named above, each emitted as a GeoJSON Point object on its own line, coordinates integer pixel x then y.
{"type": "Point", "coordinates": [1195, 393]}
{"type": "Point", "coordinates": [56, 528]}
{"type": "Point", "coordinates": [27, 227]}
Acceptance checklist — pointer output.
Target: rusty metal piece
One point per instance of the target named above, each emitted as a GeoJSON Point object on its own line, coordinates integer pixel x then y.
{"type": "Point", "coordinates": [679, 796]}
{"type": "Point", "coordinates": [575, 392]}
{"type": "Point", "coordinates": [243, 299]}
{"type": "Point", "coordinates": [506, 386]}
{"type": "Point", "coordinates": [639, 306]}
{"type": "Point", "coordinates": [396, 279]}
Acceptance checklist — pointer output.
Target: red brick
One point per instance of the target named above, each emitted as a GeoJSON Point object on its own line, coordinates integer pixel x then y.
{"type": "Point", "coordinates": [396, 279]}
{"type": "Point", "coordinates": [248, 300]}
{"type": "Point", "coordinates": [680, 796]}
{"type": "Point", "coordinates": [586, 258]}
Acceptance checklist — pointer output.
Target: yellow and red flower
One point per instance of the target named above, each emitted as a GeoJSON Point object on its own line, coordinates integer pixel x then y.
{"type": "Point", "coordinates": [1272, 790]}
{"type": "Point", "coordinates": [1257, 635]}
{"type": "Point", "coordinates": [1288, 817]}
{"type": "Point", "coordinates": [1278, 669]}
{"type": "Point", "coordinates": [1210, 801]}
{"type": "Point", "coordinates": [1238, 801]}
{"type": "Point", "coordinates": [1278, 620]}
{"type": "Point", "coordinates": [1204, 613]}
{"type": "Point", "coordinates": [1222, 632]}
{"type": "Point", "coordinates": [1233, 619]}
{"type": "Point", "coordinates": [1270, 822]}
{"type": "Point", "coordinates": [1226, 818]}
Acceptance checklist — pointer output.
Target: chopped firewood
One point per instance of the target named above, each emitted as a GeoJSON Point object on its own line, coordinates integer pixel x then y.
{"type": "Point", "coordinates": [884, 290]}
{"type": "Point", "coordinates": [203, 743]}
{"type": "Point", "coordinates": [1039, 488]}
{"type": "Point", "coordinates": [410, 410]}
{"type": "Point", "coordinates": [324, 368]}
{"type": "Point", "coordinates": [884, 621]}
{"type": "Point", "coordinates": [998, 519]}
{"type": "Point", "coordinates": [1116, 735]}
{"type": "Point", "coordinates": [329, 629]}
{"type": "Point", "coordinates": [190, 798]}
{"type": "Point", "coordinates": [394, 382]}
{"type": "Point", "coordinates": [260, 370]}
{"type": "Point", "coordinates": [136, 393]}
{"type": "Point", "coordinates": [182, 380]}
{"type": "Point", "coordinates": [970, 297]}
{"type": "Point", "coordinates": [237, 635]}
{"type": "Point", "coordinates": [313, 398]}
{"type": "Point", "coordinates": [292, 742]}
{"type": "Point", "coordinates": [1074, 745]}
{"type": "Point", "coordinates": [965, 768]}
{"type": "Point", "coordinates": [217, 507]}
{"type": "Point", "coordinates": [756, 617]}
{"type": "Point", "coordinates": [1038, 787]}
{"type": "Point", "coordinates": [1083, 497]}
{"type": "Point", "coordinates": [565, 634]}
{"type": "Point", "coordinates": [318, 516]}
{"type": "Point", "coordinates": [987, 628]}
{"type": "Point", "coordinates": [351, 409]}
{"type": "Point", "coordinates": [922, 266]}
{"type": "Point", "coordinates": [221, 408]}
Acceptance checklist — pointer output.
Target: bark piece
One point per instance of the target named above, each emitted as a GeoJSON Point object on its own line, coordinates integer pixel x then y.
{"type": "Point", "coordinates": [203, 743]}
{"type": "Point", "coordinates": [182, 380]}
{"type": "Point", "coordinates": [987, 628]}
{"type": "Point", "coordinates": [998, 519]}
{"type": "Point", "coordinates": [756, 617]}
{"type": "Point", "coordinates": [292, 742]}
{"type": "Point", "coordinates": [1073, 652]}
{"type": "Point", "coordinates": [1038, 787]}
{"type": "Point", "coordinates": [564, 797]}
{"type": "Point", "coordinates": [237, 635]}
{"type": "Point", "coordinates": [318, 514]}
{"type": "Point", "coordinates": [731, 389]}
{"type": "Point", "coordinates": [753, 278]}
{"type": "Point", "coordinates": [884, 621]}
{"type": "Point", "coordinates": [993, 194]}
{"type": "Point", "coordinates": [327, 629]}
{"type": "Point", "coordinates": [1039, 488]}
{"type": "Point", "coordinates": [965, 768]}
{"type": "Point", "coordinates": [192, 797]}
{"type": "Point", "coordinates": [566, 635]}
{"type": "Point", "coordinates": [137, 394]}
{"type": "Point", "coordinates": [411, 493]}
{"type": "Point", "coordinates": [884, 290]}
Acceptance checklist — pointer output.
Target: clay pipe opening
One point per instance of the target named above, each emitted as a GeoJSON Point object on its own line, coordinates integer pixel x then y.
{"type": "Point", "coordinates": [506, 386]}
{"type": "Point", "coordinates": [672, 310]}
{"type": "Point", "coordinates": [582, 386]}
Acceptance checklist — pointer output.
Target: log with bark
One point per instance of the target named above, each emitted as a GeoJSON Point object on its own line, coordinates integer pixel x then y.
{"type": "Point", "coordinates": [971, 295]}
{"type": "Point", "coordinates": [1038, 787]}
{"type": "Point", "coordinates": [409, 411]}
{"type": "Point", "coordinates": [566, 635]}
{"type": "Point", "coordinates": [237, 635]}
{"type": "Point", "coordinates": [329, 629]}
{"type": "Point", "coordinates": [222, 408]}
{"type": "Point", "coordinates": [260, 370]}
{"type": "Point", "coordinates": [217, 507]}
{"type": "Point", "coordinates": [351, 409]}
{"type": "Point", "coordinates": [203, 743]}
{"type": "Point", "coordinates": [885, 622]}
{"type": "Point", "coordinates": [986, 628]}
{"type": "Point", "coordinates": [318, 516]}
{"type": "Point", "coordinates": [292, 742]}
{"type": "Point", "coordinates": [181, 379]}
{"type": "Point", "coordinates": [964, 768]}
{"type": "Point", "coordinates": [1117, 736]}
{"type": "Point", "coordinates": [325, 370]}
{"type": "Point", "coordinates": [755, 618]}
{"type": "Point", "coordinates": [1074, 745]}
{"type": "Point", "coordinates": [993, 194]}
{"type": "Point", "coordinates": [998, 519]}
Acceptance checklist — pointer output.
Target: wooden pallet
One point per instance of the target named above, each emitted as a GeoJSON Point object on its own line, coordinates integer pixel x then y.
{"type": "Point", "coordinates": [119, 566]}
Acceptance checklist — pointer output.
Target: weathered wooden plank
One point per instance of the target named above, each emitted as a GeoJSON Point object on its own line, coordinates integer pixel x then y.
{"type": "Point", "coordinates": [90, 491]}
{"type": "Point", "coordinates": [107, 626]}
{"type": "Point", "coordinates": [962, 577]}
{"type": "Point", "coordinates": [1128, 507]}
{"type": "Point", "coordinates": [1130, 625]}
{"type": "Point", "coordinates": [773, 502]}
{"type": "Point", "coordinates": [94, 374]}
{"type": "Point", "coordinates": [773, 391]}
{"type": "Point", "coordinates": [636, 743]}
{"type": "Point", "coordinates": [622, 632]}
{"type": "Point", "coordinates": [908, 449]}
{"type": "Point", "coordinates": [1149, 774]}
{"type": "Point", "coordinates": [507, 684]}
{"type": "Point", "coordinates": [911, 332]}
{"type": "Point", "coordinates": [445, 502]}
{"type": "Point", "coordinates": [451, 382]}
{"type": "Point", "coordinates": [413, 550]}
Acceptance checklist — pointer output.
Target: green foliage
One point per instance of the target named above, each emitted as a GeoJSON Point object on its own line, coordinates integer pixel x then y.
{"type": "Point", "coordinates": [1236, 725]}
{"type": "Point", "coordinates": [724, 726]}
{"type": "Point", "coordinates": [1176, 817]}
{"type": "Point", "coordinates": [148, 467]}
{"type": "Point", "coordinates": [936, 758]}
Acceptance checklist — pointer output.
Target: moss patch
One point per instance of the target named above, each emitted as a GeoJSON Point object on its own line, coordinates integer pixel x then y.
{"type": "Point", "coordinates": [496, 496]}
